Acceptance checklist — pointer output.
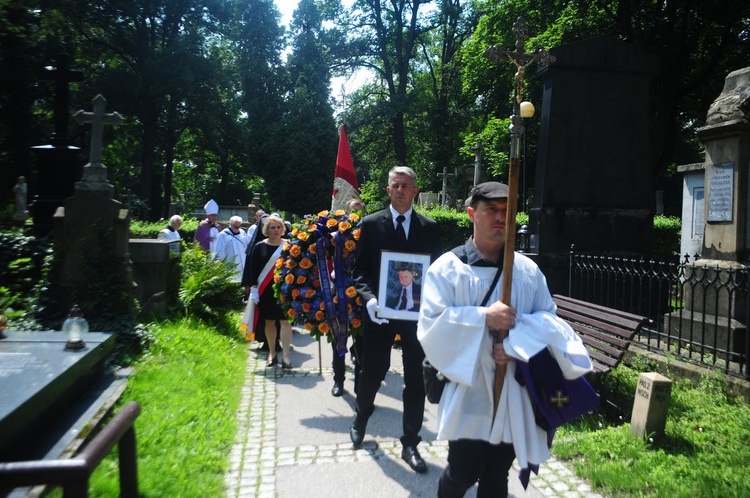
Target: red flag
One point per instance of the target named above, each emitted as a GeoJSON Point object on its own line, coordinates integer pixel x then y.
{"type": "Point", "coordinates": [345, 185]}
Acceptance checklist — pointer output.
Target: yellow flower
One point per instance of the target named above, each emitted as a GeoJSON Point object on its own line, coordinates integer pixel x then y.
{"type": "Point", "coordinates": [354, 217]}
{"type": "Point", "coordinates": [323, 213]}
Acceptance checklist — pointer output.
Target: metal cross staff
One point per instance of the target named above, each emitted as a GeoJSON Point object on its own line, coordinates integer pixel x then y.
{"type": "Point", "coordinates": [521, 60]}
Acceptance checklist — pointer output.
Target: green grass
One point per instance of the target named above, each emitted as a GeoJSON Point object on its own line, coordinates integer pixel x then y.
{"type": "Point", "coordinates": [704, 453]}
{"type": "Point", "coordinates": [189, 388]}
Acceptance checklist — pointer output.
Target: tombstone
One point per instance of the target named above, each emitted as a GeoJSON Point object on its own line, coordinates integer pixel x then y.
{"type": "Point", "coordinates": [86, 218]}
{"type": "Point", "coordinates": [652, 395]}
{"type": "Point", "coordinates": [428, 200]}
{"type": "Point", "coordinates": [726, 221]}
{"type": "Point", "coordinates": [693, 194]}
{"type": "Point", "coordinates": [58, 164]}
{"type": "Point", "coordinates": [594, 185]}
{"type": "Point", "coordinates": [155, 262]}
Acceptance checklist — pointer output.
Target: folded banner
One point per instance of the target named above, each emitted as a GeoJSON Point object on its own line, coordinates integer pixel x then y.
{"type": "Point", "coordinates": [556, 399]}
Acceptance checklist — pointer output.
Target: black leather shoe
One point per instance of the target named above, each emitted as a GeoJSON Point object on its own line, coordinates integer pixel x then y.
{"type": "Point", "coordinates": [411, 456]}
{"type": "Point", "coordinates": [357, 432]}
{"type": "Point", "coordinates": [337, 389]}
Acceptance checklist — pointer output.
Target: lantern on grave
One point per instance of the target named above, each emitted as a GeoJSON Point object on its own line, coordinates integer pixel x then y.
{"type": "Point", "coordinates": [75, 328]}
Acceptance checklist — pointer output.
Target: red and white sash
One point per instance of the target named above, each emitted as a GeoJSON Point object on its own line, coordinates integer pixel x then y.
{"type": "Point", "coordinates": [250, 318]}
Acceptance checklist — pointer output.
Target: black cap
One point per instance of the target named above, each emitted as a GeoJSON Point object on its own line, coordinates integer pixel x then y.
{"type": "Point", "coordinates": [487, 191]}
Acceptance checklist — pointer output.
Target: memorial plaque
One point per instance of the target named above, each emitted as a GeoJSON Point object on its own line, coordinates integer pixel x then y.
{"type": "Point", "coordinates": [720, 192]}
{"type": "Point", "coordinates": [652, 395]}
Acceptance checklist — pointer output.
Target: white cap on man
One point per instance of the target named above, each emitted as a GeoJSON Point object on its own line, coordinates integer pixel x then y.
{"type": "Point", "coordinates": [211, 207]}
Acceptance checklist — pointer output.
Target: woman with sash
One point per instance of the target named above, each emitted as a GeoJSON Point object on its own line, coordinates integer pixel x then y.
{"type": "Point", "coordinates": [262, 261]}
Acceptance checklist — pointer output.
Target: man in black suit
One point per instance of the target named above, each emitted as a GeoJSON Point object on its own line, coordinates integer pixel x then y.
{"type": "Point", "coordinates": [408, 295]}
{"type": "Point", "coordinates": [396, 228]}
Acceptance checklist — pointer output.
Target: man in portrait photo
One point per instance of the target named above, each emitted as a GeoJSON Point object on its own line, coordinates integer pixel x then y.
{"type": "Point", "coordinates": [408, 296]}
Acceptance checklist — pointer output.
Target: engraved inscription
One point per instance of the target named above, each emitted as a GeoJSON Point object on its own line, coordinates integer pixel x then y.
{"type": "Point", "coordinates": [720, 192]}
{"type": "Point", "coordinates": [14, 363]}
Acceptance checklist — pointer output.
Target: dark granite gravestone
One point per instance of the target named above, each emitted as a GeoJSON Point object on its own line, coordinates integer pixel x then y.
{"type": "Point", "coordinates": [41, 381]}
{"type": "Point", "coordinates": [58, 165]}
{"type": "Point", "coordinates": [594, 183]}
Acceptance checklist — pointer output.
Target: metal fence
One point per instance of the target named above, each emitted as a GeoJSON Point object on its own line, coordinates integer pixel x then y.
{"type": "Point", "coordinates": [697, 312]}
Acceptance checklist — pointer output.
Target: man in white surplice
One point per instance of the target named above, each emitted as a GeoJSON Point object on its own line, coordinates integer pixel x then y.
{"type": "Point", "coordinates": [231, 246]}
{"type": "Point", "coordinates": [454, 330]}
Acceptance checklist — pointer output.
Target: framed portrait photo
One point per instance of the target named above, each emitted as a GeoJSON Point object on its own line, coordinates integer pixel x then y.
{"type": "Point", "coordinates": [400, 289]}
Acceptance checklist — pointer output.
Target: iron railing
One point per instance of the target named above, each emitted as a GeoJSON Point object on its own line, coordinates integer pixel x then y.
{"type": "Point", "coordinates": [73, 473]}
{"type": "Point", "coordinates": [697, 311]}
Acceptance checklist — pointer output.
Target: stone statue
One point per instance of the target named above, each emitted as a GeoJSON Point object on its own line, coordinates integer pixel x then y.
{"type": "Point", "coordinates": [21, 190]}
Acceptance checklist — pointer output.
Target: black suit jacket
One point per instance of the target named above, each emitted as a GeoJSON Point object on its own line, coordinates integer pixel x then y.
{"type": "Point", "coordinates": [416, 291]}
{"type": "Point", "coordinates": [378, 234]}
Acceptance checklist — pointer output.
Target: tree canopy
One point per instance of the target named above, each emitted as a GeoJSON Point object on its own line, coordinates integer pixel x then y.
{"type": "Point", "coordinates": [222, 101]}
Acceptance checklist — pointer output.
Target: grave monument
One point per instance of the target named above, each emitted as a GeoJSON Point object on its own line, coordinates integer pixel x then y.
{"type": "Point", "coordinates": [92, 231]}
{"type": "Point", "coordinates": [725, 218]}
{"type": "Point", "coordinates": [593, 184]}
{"type": "Point", "coordinates": [58, 164]}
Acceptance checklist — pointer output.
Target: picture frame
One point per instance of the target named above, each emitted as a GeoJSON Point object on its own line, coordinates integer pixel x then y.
{"type": "Point", "coordinates": [399, 269]}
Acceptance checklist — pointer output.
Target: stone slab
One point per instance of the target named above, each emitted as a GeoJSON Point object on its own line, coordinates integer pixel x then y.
{"type": "Point", "coordinates": [40, 380]}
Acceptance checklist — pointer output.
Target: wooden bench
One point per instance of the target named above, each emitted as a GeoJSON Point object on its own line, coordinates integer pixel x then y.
{"type": "Point", "coordinates": [606, 332]}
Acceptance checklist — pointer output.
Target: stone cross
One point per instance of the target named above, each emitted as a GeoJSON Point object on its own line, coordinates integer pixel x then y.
{"type": "Point", "coordinates": [445, 175]}
{"type": "Point", "coordinates": [95, 173]}
{"type": "Point", "coordinates": [61, 75]}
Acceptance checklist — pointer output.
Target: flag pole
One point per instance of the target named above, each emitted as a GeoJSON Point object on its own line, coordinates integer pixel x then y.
{"type": "Point", "coordinates": [521, 60]}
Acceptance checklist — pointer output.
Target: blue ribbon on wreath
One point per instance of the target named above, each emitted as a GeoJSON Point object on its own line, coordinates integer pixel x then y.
{"type": "Point", "coordinates": [325, 285]}
{"type": "Point", "coordinates": [341, 310]}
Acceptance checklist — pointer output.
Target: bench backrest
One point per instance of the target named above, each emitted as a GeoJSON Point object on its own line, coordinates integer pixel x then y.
{"type": "Point", "coordinates": [606, 332]}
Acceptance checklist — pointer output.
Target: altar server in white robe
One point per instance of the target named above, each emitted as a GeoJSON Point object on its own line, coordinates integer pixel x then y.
{"type": "Point", "coordinates": [231, 246]}
{"type": "Point", "coordinates": [454, 330]}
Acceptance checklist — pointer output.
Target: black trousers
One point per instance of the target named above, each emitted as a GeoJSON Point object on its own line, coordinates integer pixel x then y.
{"type": "Point", "coordinates": [378, 344]}
{"type": "Point", "coordinates": [339, 363]}
{"type": "Point", "coordinates": [471, 460]}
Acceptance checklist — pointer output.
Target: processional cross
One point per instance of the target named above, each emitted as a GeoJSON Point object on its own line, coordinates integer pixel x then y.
{"type": "Point", "coordinates": [521, 60]}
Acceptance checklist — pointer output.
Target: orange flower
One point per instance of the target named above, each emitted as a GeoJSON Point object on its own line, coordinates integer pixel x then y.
{"type": "Point", "coordinates": [344, 226]}
{"type": "Point", "coordinates": [350, 245]}
{"type": "Point", "coordinates": [331, 223]}
{"type": "Point", "coordinates": [316, 284]}
{"type": "Point", "coordinates": [277, 278]}
{"type": "Point", "coordinates": [305, 263]}
{"type": "Point", "coordinates": [323, 327]}
{"type": "Point", "coordinates": [310, 293]}
{"type": "Point", "coordinates": [358, 301]}
{"type": "Point", "coordinates": [306, 307]}
{"type": "Point", "coordinates": [320, 315]}
{"type": "Point", "coordinates": [295, 293]}
{"type": "Point", "coordinates": [290, 264]}
{"type": "Point", "coordinates": [351, 292]}
{"type": "Point", "coordinates": [295, 250]}
{"type": "Point", "coordinates": [339, 213]}
{"type": "Point", "coordinates": [301, 279]}
{"type": "Point", "coordinates": [354, 217]}
{"type": "Point", "coordinates": [279, 263]}
{"type": "Point", "coordinates": [355, 234]}
{"type": "Point", "coordinates": [291, 313]}
{"type": "Point", "coordinates": [356, 323]}
{"type": "Point", "coordinates": [312, 249]}
{"type": "Point", "coordinates": [308, 326]}
{"type": "Point", "coordinates": [289, 279]}
{"type": "Point", "coordinates": [323, 213]}
{"type": "Point", "coordinates": [282, 298]}
{"type": "Point", "coordinates": [322, 305]}
{"type": "Point", "coordinates": [303, 236]}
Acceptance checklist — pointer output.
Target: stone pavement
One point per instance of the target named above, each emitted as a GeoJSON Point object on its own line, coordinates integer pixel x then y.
{"type": "Point", "coordinates": [293, 438]}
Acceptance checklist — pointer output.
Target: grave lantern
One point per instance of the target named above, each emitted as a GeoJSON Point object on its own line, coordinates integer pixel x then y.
{"type": "Point", "coordinates": [523, 238]}
{"type": "Point", "coordinates": [75, 328]}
